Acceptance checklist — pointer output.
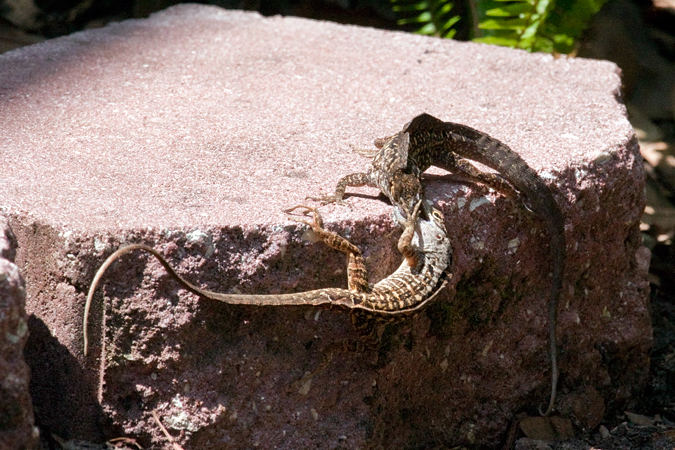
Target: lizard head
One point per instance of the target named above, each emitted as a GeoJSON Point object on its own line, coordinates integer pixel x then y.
{"type": "Point", "coordinates": [407, 191]}
{"type": "Point", "coordinates": [431, 235]}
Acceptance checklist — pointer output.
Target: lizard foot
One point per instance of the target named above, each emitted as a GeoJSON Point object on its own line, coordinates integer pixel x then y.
{"type": "Point", "coordinates": [367, 152]}
{"type": "Point", "coordinates": [316, 224]}
{"type": "Point", "coordinates": [405, 241]}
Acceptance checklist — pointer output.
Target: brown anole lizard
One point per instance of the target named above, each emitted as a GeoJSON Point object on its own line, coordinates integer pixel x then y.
{"type": "Point", "coordinates": [427, 141]}
{"type": "Point", "coordinates": [401, 294]}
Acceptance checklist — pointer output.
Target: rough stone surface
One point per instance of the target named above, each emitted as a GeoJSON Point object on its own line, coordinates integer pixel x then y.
{"type": "Point", "coordinates": [17, 431]}
{"type": "Point", "coordinates": [192, 130]}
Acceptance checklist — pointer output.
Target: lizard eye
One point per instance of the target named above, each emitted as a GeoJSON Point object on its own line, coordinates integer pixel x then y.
{"type": "Point", "coordinates": [437, 214]}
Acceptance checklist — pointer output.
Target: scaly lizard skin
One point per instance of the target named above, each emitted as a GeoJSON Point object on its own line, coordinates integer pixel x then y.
{"type": "Point", "coordinates": [427, 141]}
{"type": "Point", "coordinates": [401, 294]}
{"type": "Point", "coordinates": [403, 188]}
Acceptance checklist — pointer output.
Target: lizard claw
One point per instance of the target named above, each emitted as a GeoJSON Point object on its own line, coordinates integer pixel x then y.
{"type": "Point", "coordinates": [368, 153]}
{"type": "Point", "coordinates": [412, 217]}
{"type": "Point", "coordinates": [317, 222]}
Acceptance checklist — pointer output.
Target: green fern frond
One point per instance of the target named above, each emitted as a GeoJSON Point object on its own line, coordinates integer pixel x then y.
{"type": "Point", "coordinates": [434, 16]}
{"type": "Point", "coordinates": [518, 24]}
{"type": "Point", "coordinates": [537, 25]}
{"type": "Point", "coordinates": [568, 20]}
{"type": "Point", "coordinates": [533, 25]}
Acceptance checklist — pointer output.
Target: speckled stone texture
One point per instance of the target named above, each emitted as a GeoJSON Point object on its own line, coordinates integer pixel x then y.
{"type": "Point", "coordinates": [192, 130]}
{"type": "Point", "coordinates": [16, 410]}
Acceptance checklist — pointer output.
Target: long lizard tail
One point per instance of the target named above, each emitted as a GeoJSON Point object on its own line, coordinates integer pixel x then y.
{"type": "Point", "coordinates": [326, 298]}
{"type": "Point", "coordinates": [442, 140]}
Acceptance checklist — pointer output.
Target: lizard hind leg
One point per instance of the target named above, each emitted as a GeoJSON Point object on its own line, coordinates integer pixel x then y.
{"type": "Point", "coordinates": [456, 164]}
{"type": "Point", "coordinates": [357, 275]}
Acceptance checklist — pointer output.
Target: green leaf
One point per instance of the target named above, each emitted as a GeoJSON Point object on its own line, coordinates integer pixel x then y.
{"type": "Point", "coordinates": [450, 34]}
{"type": "Point", "coordinates": [422, 18]}
{"type": "Point", "coordinates": [496, 40]}
{"type": "Point", "coordinates": [444, 9]}
{"type": "Point", "coordinates": [531, 30]}
{"type": "Point", "coordinates": [428, 29]}
{"type": "Point", "coordinates": [511, 10]}
{"type": "Point", "coordinates": [543, 44]}
{"type": "Point", "coordinates": [542, 6]}
{"type": "Point", "coordinates": [451, 22]}
{"type": "Point", "coordinates": [533, 25]}
{"type": "Point", "coordinates": [506, 24]}
{"type": "Point", "coordinates": [433, 16]}
{"type": "Point", "coordinates": [562, 40]}
{"type": "Point", "coordinates": [421, 6]}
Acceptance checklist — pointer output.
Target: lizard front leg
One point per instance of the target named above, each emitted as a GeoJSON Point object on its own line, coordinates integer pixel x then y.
{"type": "Point", "coordinates": [354, 180]}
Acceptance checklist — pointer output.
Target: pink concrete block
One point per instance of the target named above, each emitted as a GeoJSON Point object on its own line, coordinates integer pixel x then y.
{"type": "Point", "coordinates": [191, 131]}
{"type": "Point", "coordinates": [17, 430]}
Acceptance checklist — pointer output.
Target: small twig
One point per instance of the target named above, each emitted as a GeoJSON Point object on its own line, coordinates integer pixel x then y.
{"type": "Point", "coordinates": [124, 441]}
{"type": "Point", "coordinates": [166, 433]}
{"type": "Point", "coordinates": [511, 435]}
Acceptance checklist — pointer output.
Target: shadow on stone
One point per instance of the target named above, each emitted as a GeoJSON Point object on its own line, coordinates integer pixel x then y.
{"type": "Point", "coordinates": [64, 404]}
